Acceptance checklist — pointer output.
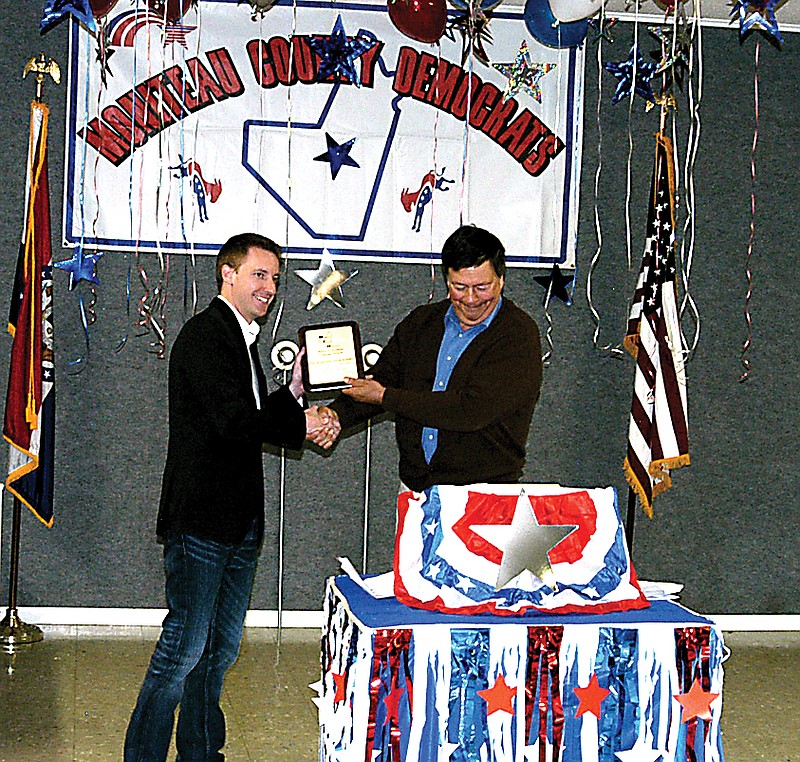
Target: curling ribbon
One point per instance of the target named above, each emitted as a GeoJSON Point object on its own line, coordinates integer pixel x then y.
{"type": "Point", "coordinates": [542, 688]}
{"type": "Point", "coordinates": [469, 660]}
{"type": "Point", "coordinates": [692, 655]}
{"type": "Point", "coordinates": [748, 258]}
{"type": "Point", "coordinates": [616, 668]}
{"type": "Point", "coordinates": [391, 678]}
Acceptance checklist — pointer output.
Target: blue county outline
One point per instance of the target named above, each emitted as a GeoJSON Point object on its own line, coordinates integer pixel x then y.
{"type": "Point", "coordinates": [305, 251]}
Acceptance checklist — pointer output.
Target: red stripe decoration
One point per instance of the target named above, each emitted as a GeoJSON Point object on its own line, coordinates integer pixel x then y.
{"type": "Point", "coordinates": [658, 438]}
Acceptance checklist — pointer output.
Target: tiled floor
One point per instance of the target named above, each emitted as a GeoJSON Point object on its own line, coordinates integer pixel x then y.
{"type": "Point", "coordinates": [70, 696]}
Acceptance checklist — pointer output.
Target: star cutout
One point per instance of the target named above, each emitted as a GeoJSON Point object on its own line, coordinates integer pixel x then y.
{"type": "Point", "coordinates": [337, 155]}
{"type": "Point", "coordinates": [431, 527]}
{"type": "Point", "coordinates": [392, 703]}
{"type": "Point", "coordinates": [673, 58]}
{"type": "Point", "coordinates": [601, 27]}
{"type": "Point", "coordinates": [555, 284]}
{"type": "Point", "coordinates": [525, 544]}
{"type": "Point", "coordinates": [338, 53]}
{"type": "Point", "coordinates": [757, 13]}
{"type": "Point", "coordinates": [81, 267]}
{"type": "Point", "coordinates": [434, 570]}
{"type": "Point", "coordinates": [523, 74]}
{"type": "Point", "coordinates": [55, 11]}
{"type": "Point", "coordinates": [326, 282]}
{"type": "Point", "coordinates": [695, 703]}
{"type": "Point", "coordinates": [340, 683]}
{"type": "Point", "coordinates": [500, 697]}
{"type": "Point", "coordinates": [465, 584]}
{"type": "Point", "coordinates": [640, 83]}
{"type": "Point", "coordinates": [472, 23]}
{"type": "Point", "coordinates": [590, 697]}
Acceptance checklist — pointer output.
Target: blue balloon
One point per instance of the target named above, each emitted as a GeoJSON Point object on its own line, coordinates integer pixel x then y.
{"type": "Point", "coordinates": [545, 28]}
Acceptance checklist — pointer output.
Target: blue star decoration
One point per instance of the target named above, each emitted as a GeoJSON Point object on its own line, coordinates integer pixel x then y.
{"type": "Point", "coordinates": [337, 155]}
{"type": "Point", "coordinates": [81, 267]}
{"type": "Point", "coordinates": [757, 13]}
{"type": "Point", "coordinates": [523, 74]}
{"type": "Point", "coordinates": [56, 11]}
{"type": "Point", "coordinates": [555, 284]}
{"type": "Point", "coordinates": [633, 75]}
{"type": "Point", "coordinates": [338, 53]}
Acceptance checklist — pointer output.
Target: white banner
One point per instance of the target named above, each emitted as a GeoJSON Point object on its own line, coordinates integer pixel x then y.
{"type": "Point", "coordinates": [321, 126]}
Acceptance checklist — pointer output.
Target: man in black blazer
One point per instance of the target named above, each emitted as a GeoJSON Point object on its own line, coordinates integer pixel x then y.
{"type": "Point", "coordinates": [211, 515]}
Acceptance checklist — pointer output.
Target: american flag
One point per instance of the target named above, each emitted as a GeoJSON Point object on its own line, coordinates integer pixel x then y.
{"type": "Point", "coordinates": [658, 438]}
{"type": "Point", "coordinates": [29, 424]}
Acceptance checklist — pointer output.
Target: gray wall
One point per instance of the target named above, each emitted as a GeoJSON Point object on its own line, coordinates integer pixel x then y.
{"type": "Point", "coordinates": [728, 529]}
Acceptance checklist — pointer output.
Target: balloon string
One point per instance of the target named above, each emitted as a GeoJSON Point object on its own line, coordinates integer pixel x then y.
{"type": "Point", "coordinates": [77, 364]}
{"type": "Point", "coordinates": [748, 272]}
{"type": "Point", "coordinates": [124, 339]}
{"type": "Point", "coordinates": [614, 350]}
{"type": "Point", "coordinates": [546, 357]}
{"type": "Point", "coordinates": [367, 469]}
{"type": "Point", "coordinates": [687, 252]}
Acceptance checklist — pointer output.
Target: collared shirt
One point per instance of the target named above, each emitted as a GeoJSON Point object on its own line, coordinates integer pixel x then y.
{"type": "Point", "coordinates": [250, 333]}
{"type": "Point", "coordinates": [454, 342]}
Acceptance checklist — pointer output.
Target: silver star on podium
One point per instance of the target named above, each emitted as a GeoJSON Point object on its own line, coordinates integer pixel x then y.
{"type": "Point", "coordinates": [525, 544]}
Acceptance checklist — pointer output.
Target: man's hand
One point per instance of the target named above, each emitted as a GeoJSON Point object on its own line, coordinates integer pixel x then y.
{"type": "Point", "coordinates": [296, 384]}
{"type": "Point", "coordinates": [322, 426]}
{"type": "Point", "coordinates": [365, 390]}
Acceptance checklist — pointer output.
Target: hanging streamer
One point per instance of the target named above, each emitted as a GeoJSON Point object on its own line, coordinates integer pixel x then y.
{"type": "Point", "coordinates": [751, 241]}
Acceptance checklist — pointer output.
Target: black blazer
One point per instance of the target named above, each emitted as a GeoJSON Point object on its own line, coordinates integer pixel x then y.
{"type": "Point", "coordinates": [213, 484]}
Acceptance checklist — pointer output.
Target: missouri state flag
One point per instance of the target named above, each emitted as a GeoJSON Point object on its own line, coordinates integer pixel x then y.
{"type": "Point", "coordinates": [507, 548]}
{"type": "Point", "coordinates": [29, 423]}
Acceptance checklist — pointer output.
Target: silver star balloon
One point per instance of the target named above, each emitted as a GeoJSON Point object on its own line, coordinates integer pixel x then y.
{"type": "Point", "coordinates": [326, 281]}
{"type": "Point", "coordinates": [525, 544]}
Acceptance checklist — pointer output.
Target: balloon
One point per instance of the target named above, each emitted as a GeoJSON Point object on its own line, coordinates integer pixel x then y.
{"type": "Point", "coordinates": [544, 26]}
{"type": "Point", "coordinates": [422, 20]}
{"type": "Point", "coordinates": [575, 10]}
{"type": "Point", "coordinates": [101, 8]}
{"type": "Point", "coordinates": [175, 9]}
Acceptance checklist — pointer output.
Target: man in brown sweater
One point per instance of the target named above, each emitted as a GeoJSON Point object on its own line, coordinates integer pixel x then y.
{"type": "Point", "coordinates": [461, 376]}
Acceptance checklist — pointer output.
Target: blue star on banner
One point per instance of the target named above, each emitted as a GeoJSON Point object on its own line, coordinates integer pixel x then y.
{"type": "Point", "coordinates": [555, 284]}
{"type": "Point", "coordinates": [337, 155]}
{"type": "Point", "coordinates": [56, 11]}
{"type": "Point", "coordinates": [523, 74]}
{"type": "Point", "coordinates": [81, 267]}
{"type": "Point", "coordinates": [633, 75]}
{"type": "Point", "coordinates": [338, 53]}
{"type": "Point", "coordinates": [757, 13]}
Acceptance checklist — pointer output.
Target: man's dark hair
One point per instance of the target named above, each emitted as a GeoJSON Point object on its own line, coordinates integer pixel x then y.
{"type": "Point", "coordinates": [471, 246]}
{"type": "Point", "coordinates": [234, 251]}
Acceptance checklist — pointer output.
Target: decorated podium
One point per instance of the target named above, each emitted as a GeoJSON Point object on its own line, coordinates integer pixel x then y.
{"type": "Point", "coordinates": [579, 677]}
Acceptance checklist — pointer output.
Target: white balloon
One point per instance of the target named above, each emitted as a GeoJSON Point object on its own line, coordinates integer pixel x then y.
{"type": "Point", "coordinates": [575, 10]}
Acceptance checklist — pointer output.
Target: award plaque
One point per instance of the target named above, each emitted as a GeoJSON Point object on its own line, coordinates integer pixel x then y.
{"type": "Point", "coordinates": [333, 353]}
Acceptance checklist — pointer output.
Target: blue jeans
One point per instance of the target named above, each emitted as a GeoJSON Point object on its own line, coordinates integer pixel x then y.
{"type": "Point", "coordinates": [208, 591]}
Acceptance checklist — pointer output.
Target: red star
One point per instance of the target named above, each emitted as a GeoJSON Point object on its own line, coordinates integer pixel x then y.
{"type": "Point", "coordinates": [590, 697]}
{"type": "Point", "coordinates": [500, 697]}
{"type": "Point", "coordinates": [339, 682]}
{"type": "Point", "coordinates": [696, 703]}
{"type": "Point", "coordinates": [392, 703]}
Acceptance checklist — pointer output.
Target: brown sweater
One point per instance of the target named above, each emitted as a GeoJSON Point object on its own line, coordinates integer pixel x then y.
{"type": "Point", "coordinates": [484, 415]}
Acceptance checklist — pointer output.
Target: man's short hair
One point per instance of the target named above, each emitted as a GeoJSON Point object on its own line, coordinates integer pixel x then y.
{"type": "Point", "coordinates": [471, 246]}
{"type": "Point", "coordinates": [234, 251]}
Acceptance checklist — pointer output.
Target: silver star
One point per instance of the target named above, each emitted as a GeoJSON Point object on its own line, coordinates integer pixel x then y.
{"type": "Point", "coordinates": [525, 544]}
{"type": "Point", "coordinates": [326, 281]}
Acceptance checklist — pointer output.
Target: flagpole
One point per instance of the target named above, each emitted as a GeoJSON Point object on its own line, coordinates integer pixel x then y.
{"type": "Point", "coordinates": [630, 519]}
{"type": "Point", "coordinates": [13, 631]}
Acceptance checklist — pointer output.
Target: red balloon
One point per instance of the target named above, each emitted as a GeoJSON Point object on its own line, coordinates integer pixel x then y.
{"type": "Point", "coordinates": [175, 9]}
{"type": "Point", "coordinates": [101, 8]}
{"type": "Point", "coordinates": [422, 20]}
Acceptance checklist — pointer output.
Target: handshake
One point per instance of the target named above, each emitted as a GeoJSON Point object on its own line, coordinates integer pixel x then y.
{"type": "Point", "coordinates": [322, 426]}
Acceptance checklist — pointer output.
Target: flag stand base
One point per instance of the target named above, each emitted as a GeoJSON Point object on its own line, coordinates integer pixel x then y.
{"type": "Point", "coordinates": [14, 632]}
